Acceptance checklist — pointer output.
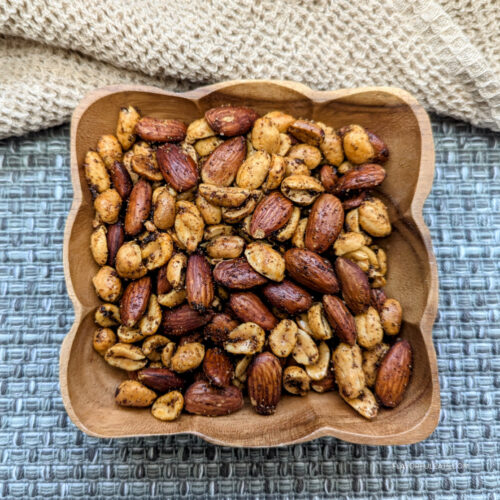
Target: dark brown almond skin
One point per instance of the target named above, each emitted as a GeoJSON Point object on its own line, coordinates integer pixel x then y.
{"type": "Point", "coordinates": [199, 283]}
{"type": "Point", "coordinates": [160, 130]}
{"type": "Point", "coordinates": [135, 300]}
{"type": "Point", "coordinates": [324, 223]}
{"type": "Point", "coordinates": [121, 179]}
{"type": "Point", "coordinates": [354, 202]}
{"type": "Point", "coordinates": [311, 270]}
{"type": "Point", "coordinates": [177, 167]}
{"type": "Point", "coordinates": [222, 165]}
{"type": "Point", "coordinates": [377, 298]}
{"type": "Point", "coordinates": [354, 285]}
{"type": "Point", "coordinates": [160, 379]}
{"type": "Point", "coordinates": [183, 319]}
{"type": "Point", "coordinates": [340, 319]}
{"type": "Point", "coordinates": [218, 329]}
{"type": "Point", "coordinates": [306, 131]}
{"type": "Point", "coordinates": [217, 367]}
{"type": "Point", "coordinates": [288, 297]}
{"type": "Point", "coordinates": [365, 176]}
{"type": "Point", "coordinates": [271, 214]}
{"type": "Point", "coordinates": [114, 237]}
{"type": "Point", "coordinates": [328, 178]}
{"type": "Point", "coordinates": [162, 283]}
{"type": "Point", "coordinates": [230, 121]}
{"type": "Point", "coordinates": [381, 151]}
{"type": "Point", "coordinates": [237, 274]}
{"type": "Point", "coordinates": [326, 384]}
{"type": "Point", "coordinates": [248, 307]}
{"type": "Point", "coordinates": [264, 383]}
{"type": "Point", "coordinates": [394, 374]}
{"type": "Point", "coordinates": [201, 398]}
{"type": "Point", "coordinates": [138, 208]}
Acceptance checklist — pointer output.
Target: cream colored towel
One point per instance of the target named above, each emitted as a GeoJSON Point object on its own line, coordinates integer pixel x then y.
{"type": "Point", "coordinates": [445, 52]}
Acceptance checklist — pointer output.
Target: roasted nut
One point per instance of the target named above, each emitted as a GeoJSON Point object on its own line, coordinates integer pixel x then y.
{"type": "Point", "coordinates": [391, 316]}
{"type": "Point", "coordinates": [301, 189]}
{"type": "Point", "coordinates": [156, 249]}
{"type": "Point", "coordinates": [248, 307]}
{"type": "Point", "coordinates": [163, 208]}
{"type": "Point", "coordinates": [187, 357]}
{"type": "Point", "coordinates": [160, 130]}
{"type": "Point", "coordinates": [147, 166]}
{"type": "Point", "coordinates": [162, 283]}
{"type": "Point", "coordinates": [218, 329]}
{"type": "Point", "coordinates": [285, 144]}
{"type": "Point", "coordinates": [324, 223]}
{"type": "Point", "coordinates": [294, 166]}
{"type": "Point", "coordinates": [177, 167]}
{"type": "Point", "coordinates": [217, 367]}
{"type": "Point", "coordinates": [319, 370]}
{"type": "Point", "coordinates": [189, 225]}
{"type": "Point", "coordinates": [151, 320]}
{"type": "Point", "coordinates": [129, 261]}
{"type": "Point", "coordinates": [128, 335]}
{"type": "Point", "coordinates": [237, 274]}
{"type": "Point", "coordinates": [168, 407]}
{"type": "Point", "coordinates": [307, 131]}
{"type": "Point", "coordinates": [121, 179]}
{"type": "Point", "coordinates": [127, 120]}
{"type": "Point", "coordinates": [107, 284]}
{"type": "Point", "coordinates": [217, 230]}
{"type": "Point", "coordinates": [109, 149]}
{"type": "Point", "coordinates": [348, 242]}
{"type": "Point", "coordinates": [331, 147]}
{"type": "Point", "coordinates": [328, 178]}
{"type": "Point", "coordinates": [99, 245]}
{"type": "Point", "coordinates": [275, 174]}
{"type": "Point", "coordinates": [225, 247]}
{"type": "Point", "coordinates": [354, 285]}
{"type": "Point", "coordinates": [394, 374]}
{"type": "Point", "coordinates": [305, 351]}
{"type": "Point", "coordinates": [266, 261]}
{"type": "Point", "coordinates": [352, 221]}
{"type": "Point", "coordinates": [288, 230]}
{"type": "Point", "coordinates": [311, 270]}
{"type": "Point", "coordinates": [135, 300]}
{"type": "Point", "coordinates": [199, 284]}
{"type": "Point", "coordinates": [205, 147]}
{"type": "Point", "coordinates": [173, 298]}
{"type": "Point", "coordinates": [361, 146]}
{"type": "Point", "coordinates": [348, 370]}
{"type": "Point", "coordinates": [237, 214]}
{"type": "Point", "coordinates": [326, 384]}
{"type": "Point", "coordinates": [114, 239]}
{"type": "Point", "coordinates": [125, 356]}
{"type": "Point", "coordinates": [254, 170]}
{"type": "Point", "coordinates": [133, 393]}
{"type": "Point", "coordinates": [340, 319]}
{"type": "Point", "coordinates": [369, 329]}
{"type": "Point", "coordinates": [95, 173]}
{"type": "Point", "coordinates": [139, 206]}
{"type": "Point", "coordinates": [320, 328]}
{"type": "Point", "coordinates": [377, 299]}
{"type": "Point", "coordinates": [280, 120]}
{"type": "Point", "coordinates": [203, 399]}
{"type": "Point", "coordinates": [167, 353]}
{"type": "Point", "coordinates": [371, 361]}
{"type": "Point", "coordinates": [288, 297]}
{"type": "Point", "coordinates": [153, 346]}
{"type": "Point", "coordinates": [108, 205]}
{"type": "Point", "coordinates": [224, 196]}
{"type": "Point", "coordinates": [221, 166]}
{"type": "Point", "coordinates": [283, 338]}
{"type": "Point", "coordinates": [295, 380]}
{"type": "Point", "coordinates": [265, 136]}
{"type": "Point", "coordinates": [247, 338]}
{"type": "Point", "coordinates": [241, 369]}
{"type": "Point", "coordinates": [212, 214]}
{"type": "Point", "coordinates": [365, 404]}
{"type": "Point", "coordinates": [198, 129]}
{"type": "Point", "coordinates": [264, 383]}
{"type": "Point", "coordinates": [104, 338]}
{"type": "Point", "coordinates": [310, 155]}
{"type": "Point", "coordinates": [183, 319]}
{"type": "Point", "coordinates": [365, 176]}
{"type": "Point", "coordinates": [176, 271]}
{"type": "Point", "coordinates": [300, 234]}
{"type": "Point", "coordinates": [107, 315]}
{"type": "Point", "coordinates": [231, 120]}
{"type": "Point", "coordinates": [270, 215]}
{"type": "Point", "coordinates": [303, 323]}
{"type": "Point", "coordinates": [345, 167]}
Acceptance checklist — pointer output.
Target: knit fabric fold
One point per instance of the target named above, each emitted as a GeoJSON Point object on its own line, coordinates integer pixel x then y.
{"type": "Point", "coordinates": [445, 52]}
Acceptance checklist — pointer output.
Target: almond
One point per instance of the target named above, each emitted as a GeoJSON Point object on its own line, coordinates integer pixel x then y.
{"type": "Point", "coordinates": [324, 223]}
{"type": "Point", "coordinates": [160, 379]}
{"type": "Point", "coordinates": [237, 274]}
{"type": "Point", "coordinates": [121, 179]}
{"type": "Point", "coordinates": [218, 329]}
{"type": "Point", "coordinates": [340, 319]}
{"type": "Point", "coordinates": [160, 130]}
{"type": "Point", "coordinates": [163, 285]}
{"type": "Point", "coordinates": [287, 296]}
{"type": "Point", "coordinates": [354, 201]}
{"type": "Point", "coordinates": [365, 176]}
{"type": "Point", "coordinates": [354, 285]}
{"type": "Point", "coordinates": [271, 214]}
{"type": "Point", "coordinates": [264, 383]}
{"type": "Point", "coordinates": [199, 284]}
{"type": "Point", "coordinates": [311, 270]}
{"type": "Point", "coordinates": [177, 167]}
{"type": "Point", "coordinates": [231, 120]}
{"type": "Point", "coordinates": [248, 307]}
{"type": "Point", "coordinates": [307, 131]}
{"type": "Point", "coordinates": [203, 399]}
{"type": "Point", "coordinates": [139, 206]}
{"type": "Point", "coordinates": [328, 178]}
{"type": "Point", "coordinates": [377, 298]}
{"type": "Point", "coordinates": [217, 367]}
{"type": "Point", "coordinates": [135, 300]}
{"type": "Point", "coordinates": [114, 237]}
{"type": "Point", "coordinates": [394, 374]}
{"type": "Point", "coordinates": [221, 166]}
{"type": "Point", "coordinates": [183, 319]}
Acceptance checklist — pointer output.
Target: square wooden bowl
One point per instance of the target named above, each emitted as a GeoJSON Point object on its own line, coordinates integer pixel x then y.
{"type": "Point", "coordinates": [88, 383]}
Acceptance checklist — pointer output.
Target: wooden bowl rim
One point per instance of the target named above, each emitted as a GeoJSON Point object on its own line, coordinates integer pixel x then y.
{"type": "Point", "coordinates": [430, 420]}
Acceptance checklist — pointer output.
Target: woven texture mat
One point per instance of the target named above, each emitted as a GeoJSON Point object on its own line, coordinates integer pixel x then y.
{"type": "Point", "coordinates": [43, 454]}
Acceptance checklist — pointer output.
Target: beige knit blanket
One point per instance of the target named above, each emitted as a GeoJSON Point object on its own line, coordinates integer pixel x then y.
{"type": "Point", "coordinates": [52, 52]}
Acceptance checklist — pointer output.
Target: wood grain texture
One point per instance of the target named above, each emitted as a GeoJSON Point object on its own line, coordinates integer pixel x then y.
{"type": "Point", "coordinates": [88, 383]}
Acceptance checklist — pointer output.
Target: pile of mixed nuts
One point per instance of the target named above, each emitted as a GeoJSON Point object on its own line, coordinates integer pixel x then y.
{"type": "Point", "coordinates": [237, 254]}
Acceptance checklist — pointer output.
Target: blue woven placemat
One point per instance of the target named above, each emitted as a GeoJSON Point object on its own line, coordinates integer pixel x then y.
{"type": "Point", "coordinates": [42, 454]}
